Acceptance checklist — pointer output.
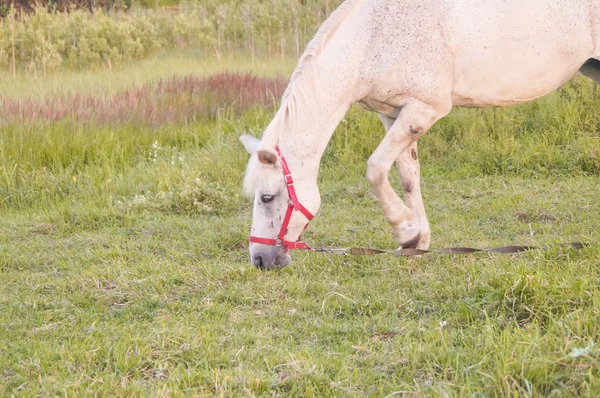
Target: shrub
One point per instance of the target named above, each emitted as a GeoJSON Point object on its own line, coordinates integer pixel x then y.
{"type": "Point", "coordinates": [46, 39]}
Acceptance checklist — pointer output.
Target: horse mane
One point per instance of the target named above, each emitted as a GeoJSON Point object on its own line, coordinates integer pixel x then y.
{"type": "Point", "coordinates": [316, 45]}
{"type": "Point", "coordinates": [301, 90]}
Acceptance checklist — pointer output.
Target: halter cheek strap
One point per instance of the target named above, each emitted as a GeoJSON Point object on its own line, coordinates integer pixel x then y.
{"type": "Point", "coordinates": [294, 205]}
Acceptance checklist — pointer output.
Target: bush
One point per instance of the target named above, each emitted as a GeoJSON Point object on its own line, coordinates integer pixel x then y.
{"type": "Point", "coordinates": [27, 6]}
{"type": "Point", "coordinates": [46, 39]}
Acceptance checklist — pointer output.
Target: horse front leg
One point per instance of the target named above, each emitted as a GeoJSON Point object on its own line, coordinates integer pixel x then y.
{"type": "Point", "coordinates": [414, 120]}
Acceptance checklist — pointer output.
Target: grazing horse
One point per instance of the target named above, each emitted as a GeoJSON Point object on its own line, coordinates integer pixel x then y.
{"type": "Point", "coordinates": [410, 61]}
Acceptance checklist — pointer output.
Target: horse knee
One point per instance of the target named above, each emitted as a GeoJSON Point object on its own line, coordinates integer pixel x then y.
{"type": "Point", "coordinates": [375, 173]}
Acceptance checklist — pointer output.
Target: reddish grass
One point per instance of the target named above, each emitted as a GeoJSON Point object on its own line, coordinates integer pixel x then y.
{"type": "Point", "coordinates": [172, 100]}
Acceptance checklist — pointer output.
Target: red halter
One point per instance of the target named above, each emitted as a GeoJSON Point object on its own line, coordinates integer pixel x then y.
{"type": "Point", "coordinates": [294, 204]}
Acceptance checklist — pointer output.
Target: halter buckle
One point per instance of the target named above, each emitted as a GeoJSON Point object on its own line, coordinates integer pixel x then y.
{"type": "Point", "coordinates": [278, 242]}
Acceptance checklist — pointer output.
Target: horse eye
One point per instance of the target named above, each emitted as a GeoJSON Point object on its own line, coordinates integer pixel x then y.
{"type": "Point", "coordinates": [267, 198]}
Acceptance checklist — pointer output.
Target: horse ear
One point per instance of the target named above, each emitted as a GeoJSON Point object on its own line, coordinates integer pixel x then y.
{"type": "Point", "coordinates": [266, 156]}
{"type": "Point", "coordinates": [250, 143]}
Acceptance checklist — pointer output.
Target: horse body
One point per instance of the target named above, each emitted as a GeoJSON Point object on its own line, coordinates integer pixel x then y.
{"type": "Point", "coordinates": [525, 56]}
{"type": "Point", "coordinates": [481, 53]}
{"type": "Point", "coordinates": [411, 61]}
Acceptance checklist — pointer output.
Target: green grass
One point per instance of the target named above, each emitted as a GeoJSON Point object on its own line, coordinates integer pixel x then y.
{"type": "Point", "coordinates": [124, 269]}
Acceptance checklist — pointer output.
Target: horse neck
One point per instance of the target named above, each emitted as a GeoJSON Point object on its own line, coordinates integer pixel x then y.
{"type": "Point", "coordinates": [304, 138]}
{"type": "Point", "coordinates": [322, 89]}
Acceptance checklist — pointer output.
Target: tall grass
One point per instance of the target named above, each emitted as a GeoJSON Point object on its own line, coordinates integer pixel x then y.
{"type": "Point", "coordinates": [170, 100]}
{"type": "Point", "coordinates": [57, 143]}
{"type": "Point", "coordinates": [105, 83]}
{"type": "Point", "coordinates": [50, 145]}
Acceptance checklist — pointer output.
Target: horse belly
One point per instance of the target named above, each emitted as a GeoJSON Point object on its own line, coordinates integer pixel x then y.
{"type": "Point", "coordinates": [484, 88]}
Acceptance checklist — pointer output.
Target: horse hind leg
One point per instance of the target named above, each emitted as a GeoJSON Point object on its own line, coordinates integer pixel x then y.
{"type": "Point", "coordinates": [591, 69]}
{"type": "Point", "coordinates": [410, 176]}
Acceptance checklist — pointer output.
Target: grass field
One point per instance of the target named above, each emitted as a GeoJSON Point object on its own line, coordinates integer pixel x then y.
{"type": "Point", "coordinates": [124, 267]}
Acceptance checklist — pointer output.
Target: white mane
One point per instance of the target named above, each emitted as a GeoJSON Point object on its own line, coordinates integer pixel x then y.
{"type": "Point", "coordinates": [300, 92]}
{"type": "Point", "coordinates": [302, 86]}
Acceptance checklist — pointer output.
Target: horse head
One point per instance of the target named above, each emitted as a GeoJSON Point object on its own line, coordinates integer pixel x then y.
{"type": "Point", "coordinates": [279, 217]}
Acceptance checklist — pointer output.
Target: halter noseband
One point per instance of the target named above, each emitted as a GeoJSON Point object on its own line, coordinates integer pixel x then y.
{"type": "Point", "coordinates": [294, 204]}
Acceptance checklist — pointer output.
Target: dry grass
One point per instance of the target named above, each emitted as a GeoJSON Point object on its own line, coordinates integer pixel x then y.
{"type": "Point", "coordinates": [170, 100]}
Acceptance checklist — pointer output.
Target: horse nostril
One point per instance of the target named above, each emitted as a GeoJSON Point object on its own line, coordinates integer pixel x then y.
{"type": "Point", "coordinates": [259, 262]}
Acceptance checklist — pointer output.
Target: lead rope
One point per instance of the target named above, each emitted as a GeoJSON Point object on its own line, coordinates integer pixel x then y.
{"type": "Point", "coordinates": [361, 251]}
{"type": "Point", "coordinates": [295, 205]}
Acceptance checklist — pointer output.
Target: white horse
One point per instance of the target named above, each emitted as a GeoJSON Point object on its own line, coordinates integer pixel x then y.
{"type": "Point", "coordinates": [410, 61]}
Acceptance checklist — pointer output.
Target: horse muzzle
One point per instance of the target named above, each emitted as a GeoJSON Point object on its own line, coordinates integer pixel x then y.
{"type": "Point", "coordinates": [268, 257]}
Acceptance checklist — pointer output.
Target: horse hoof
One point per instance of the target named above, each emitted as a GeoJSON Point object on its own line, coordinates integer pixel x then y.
{"type": "Point", "coordinates": [409, 235]}
{"type": "Point", "coordinates": [412, 243]}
